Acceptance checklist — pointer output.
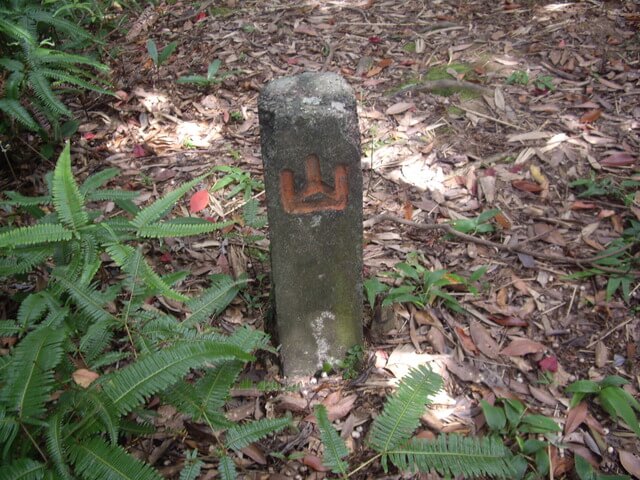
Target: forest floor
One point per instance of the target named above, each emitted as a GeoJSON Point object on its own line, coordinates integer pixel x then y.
{"type": "Point", "coordinates": [464, 107]}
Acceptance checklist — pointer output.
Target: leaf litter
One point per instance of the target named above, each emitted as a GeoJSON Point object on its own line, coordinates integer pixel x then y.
{"type": "Point", "coordinates": [434, 150]}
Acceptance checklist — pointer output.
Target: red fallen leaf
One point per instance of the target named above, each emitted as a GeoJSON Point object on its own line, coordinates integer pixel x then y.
{"type": "Point", "coordinates": [522, 346]}
{"type": "Point", "coordinates": [201, 16]}
{"type": "Point", "coordinates": [139, 151]}
{"type": "Point", "coordinates": [89, 136]}
{"type": "Point", "coordinates": [508, 321]}
{"type": "Point", "coordinates": [526, 186]}
{"type": "Point", "coordinates": [385, 62]}
{"type": "Point", "coordinates": [314, 462]}
{"type": "Point", "coordinates": [591, 116]}
{"type": "Point", "coordinates": [199, 201]}
{"type": "Point", "coordinates": [490, 172]}
{"type": "Point", "coordinates": [375, 40]}
{"type": "Point", "coordinates": [619, 159]}
{"type": "Point", "coordinates": [549, 364]}
{"type": "Point", "coordinates": [210, 219]}
{"type": "Point", "coordinates": [225, 115]}
{"type": "Point", "coordinates": [292, 61]}
{"type": "Point", "coordinates": [166, 257]}
{"type": "Point", "coordinates": [580, 205]}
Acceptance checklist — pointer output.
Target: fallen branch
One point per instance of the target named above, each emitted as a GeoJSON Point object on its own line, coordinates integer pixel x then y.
{"type": "Point", "coordinates": [581, 262]}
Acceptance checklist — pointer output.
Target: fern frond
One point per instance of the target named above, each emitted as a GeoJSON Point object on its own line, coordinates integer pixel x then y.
{"type": "Point", "coordinates": [213, 300]}
{"type": "Point", "coordinates": [8, 429]}
{"type": "Point", "coordinates": [180, 227]}
{"type": "Point", "coordinates": [56, 57]}
{"type": "Point", "coordinates": [112, 195]}
{"type": "Point", "coordinates": [35, 234]}
{"type": "Point", "coordinates": [334, 447]}
{"type": "Point", "coordinates": [131, 261]}
{"type": "Point", "coordinates": [96, 339]}
{"type": "Point", "coordinates": [161, 206]}
{"type": "Point", "coordinates": [227, 468]}
{"type": "Point", "coordinates": [65, 77]}
{"type": "Point", "coordinates": [192, 466]}
{"type": "Point", "coordinates": [249, 339]}
{"type": "Point", "coordinates": [17, 32]}
{"type": "Point", "coordinates": [98, 179]}
{"type": "Point", "coordinates": [97, 460]}
{"type": "Point", "coordinates": [241, 436]}
{"type": "Point", "coordinates": [30, 377]}
{"type": "Point", "coordinates": [205, 398]}
{"type": "Point", "coordinates": [22, 469]}
{"type": "Point", "coordinates": [19, 200]}
{"type": "Point", "coordinates": [9, 328]}
{"type": "Point", "coordinates": [24, 260]}
{"type": "Point", "coordinates": [32, 309]}
{"type": "Point", "coordinates": [67, 199]}
{"type": "Point", "coordinates": [12, 65]}
{"type": "Point", "coordinates": [56, 447]}
{"type": "Point", "coordinates": [129, 386]}
{"type": "Point", "coordinates": [15, 110]}
{"type": "Point", "coordinates": [87, 299]}
{"type": "Point", "coordinates": [402, 411]}
{"type": "Point", "coordinates": [100, 407]}
{"type": "Point", "coordinates": [454, 455]}
{"type": "Point", "coordinates": [72, 29]}
{"type": "Point", "coordinates": [42, 90]}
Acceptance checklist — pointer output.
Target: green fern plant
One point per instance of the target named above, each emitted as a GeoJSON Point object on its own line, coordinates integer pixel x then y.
{"type": "Point", "coordinates": [391, 432]}
{"type": "Point", "coordinates": [53, 424]}
{"type": "Point", "coordinates": [38, 55]}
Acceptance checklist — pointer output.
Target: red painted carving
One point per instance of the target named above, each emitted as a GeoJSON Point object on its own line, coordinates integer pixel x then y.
{"type": "Point", "coordinates": [316, 195]}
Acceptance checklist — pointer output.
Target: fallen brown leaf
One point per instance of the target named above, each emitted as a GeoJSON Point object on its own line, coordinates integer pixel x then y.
{"type": "Point", "coordinates": [590, 116]}
{"type": "Point", "coordinates": [465, 340]}
{"type": "Point", "coordinates": [619, 159]}
{"type": "Point", "coordinates": [526, 186]}
{"type": "Point", "coordinates": [84, 377]}
{"type": "Point", "coordinates": [630, 462]}
{"type": "Point", "coordinates": [522, 346]}
{"type": "Point", "coordinates": [314, 462]}
{"type": "Point", "coordinates": [483, 340]}
{"type": "Point", "coordinates": [575, 417]}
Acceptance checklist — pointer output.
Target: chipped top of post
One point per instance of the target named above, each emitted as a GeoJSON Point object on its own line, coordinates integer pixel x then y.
{"type": "Point", "coordinates": [320, 93]}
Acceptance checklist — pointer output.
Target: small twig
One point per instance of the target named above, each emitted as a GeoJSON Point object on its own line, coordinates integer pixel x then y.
{"type": "Point", "coordinates": [508, 248]}
{"type": "Point", "coordinates": [614, 329]}
{"type": "Point", "coordinates": [489, 117]}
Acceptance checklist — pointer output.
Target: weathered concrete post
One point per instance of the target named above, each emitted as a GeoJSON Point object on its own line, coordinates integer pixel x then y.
{"type": "Point", "coordinates": [313, 180]}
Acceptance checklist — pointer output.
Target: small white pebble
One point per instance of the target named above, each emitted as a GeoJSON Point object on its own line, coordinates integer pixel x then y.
{"type": "Point", "coordinates": [304, 392]}
{"type": "Point", "coordinates": [605, 431]}
{"type": "Point", "coordinates": [313, 380]}
{"type": "Point", "coordinates": [519, 379]}
{"type": "Point", "coordinates": [298, 477]}
{"type": "Point", "coordinates": [580, 360]}
{"type": "Point", "coordinates": [561, 451]}
{"type": "Point", "coordinates": [359, 428]}
{"type": "Point", "coordinates": [337, 422]}
{"type": "Point", "coordinates": [324, 374]}
{"type": "Point", "coordinates": [572, 378]}
{"type": "Point", "coordinates": [556, 345]}
{"type": "Point", "coordinates": [355, 434]}
{"type": "Point", "coordinates": [551, 278]}
{"type": "Point", "coordinates": [610, 450]}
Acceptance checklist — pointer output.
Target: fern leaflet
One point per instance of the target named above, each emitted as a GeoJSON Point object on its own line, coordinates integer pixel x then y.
{"type": "Point", "coordinates": [97, 460]}
{"type": "Point", "coordinates": [158, 208]}
{"type": "Point", "coordinates": [86, 298]}
{"type": "Point", "coordinates": [402, 412]}
{"type": "Point", "coordinates": [14, 109]}
{"type": "Point", "coordinates": [56, 447]}
{"type": "Point", "coordinates": [213, 300]}
{"type": "Point", "coordinates": [454, 455]}
{"type": "Point", "coordinates": [22, 469]}
{"type": "Point", "coordinates": [227, 468]}
{"type": "Point", "coordinates": [240, 436]}
{"type": "Point", "coordinates": [128, 387]}
{"type": "Point", "coordinates": [29, 380]}
{"type": "Point", "coordinates": [334, 447]}
{"type": "Point", "coordinates": [180, 228]}
{"type": "Point", "coordinates": [67, 198]}
{"type": "Point", "coordinates": [42, 89]}
{"type": "Point", "coordinates": [97, 180]}
{"type": "Point", "coordinates": [192, 466]}
{"type": "Point", "coordinates": [35, 234]}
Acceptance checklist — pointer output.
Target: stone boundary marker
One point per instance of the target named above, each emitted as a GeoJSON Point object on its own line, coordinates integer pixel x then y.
{"type": "Point", "coordinates": [313, 181]}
